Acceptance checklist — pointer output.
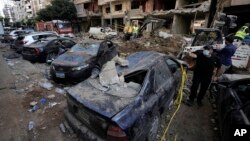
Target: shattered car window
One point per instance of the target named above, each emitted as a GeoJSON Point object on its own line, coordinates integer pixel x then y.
{"type": "Point", "coordinates": [206, 38]}
{"type": "Point", "coordinates": [91, 49]}
{"type": "Point", "coordinates": [162, 73]}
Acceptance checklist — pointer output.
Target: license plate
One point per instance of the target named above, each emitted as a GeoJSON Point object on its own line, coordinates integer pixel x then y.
{"type": "Point", "coordinates": [60, 75]}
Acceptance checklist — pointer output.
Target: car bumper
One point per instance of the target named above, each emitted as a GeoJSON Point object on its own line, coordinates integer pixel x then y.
{"type": "Point", "coordinates": [31, 57]}
{"type": "Point", "coordinates": [78, 127]}
{"type": "Point", "coordinates": [76, 75]}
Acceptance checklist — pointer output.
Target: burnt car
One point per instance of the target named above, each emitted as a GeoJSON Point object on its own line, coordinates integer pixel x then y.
{"type": "Point", "coordinates": [46, 49]}
{"type": "Point", "coordinates": [131, 110]}
{"type": "Point", "coordinates": [78, 62]}
{"type": "Point", "coordinates": [233, 100]}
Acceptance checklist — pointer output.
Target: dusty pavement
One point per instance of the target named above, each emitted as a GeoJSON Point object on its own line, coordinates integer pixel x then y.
{"type": "Point", "coordinates": [20, 85]}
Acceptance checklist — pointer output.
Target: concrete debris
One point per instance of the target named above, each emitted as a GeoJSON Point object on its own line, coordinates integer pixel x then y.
{"type": "Point", "coordinates": [44, 83]}
{"type": "Point", "coordinates": [60, 91]}
{"type": "Point", "coordinates": [33, 103]}
{"type": "Point", "coordinates": [10, 64]}
{"type": "Point", "coordinates": [31, 125]}
{"type": "Point", "coordinates": [51, 96]}
{"type": "Point", "coordinates": [52, 104]}
{"type": "Point", "coordinates": [165, 35]}
{"type": "Point", "coordinates": [134, 85]}
{"type": "Point", "coordinates": [62, 127]}
{"type": "Point", "coordinates": [120, 61]}
{"type": "Point", "coordinates": [108, 75]}
{"type": "Point", "coordinates": [204, 7]}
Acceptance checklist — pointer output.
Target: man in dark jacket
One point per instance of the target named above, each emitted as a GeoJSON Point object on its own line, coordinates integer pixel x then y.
{"type": "Point", "coordinates": [206, 62]}
{"type": "Point", "coordinates": [225, 56]}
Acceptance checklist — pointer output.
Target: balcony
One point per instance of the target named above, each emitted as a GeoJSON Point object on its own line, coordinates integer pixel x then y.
{"type": "Point", "coordinates": [136, 13]}
{"type": "Point", "coordinates": [103, 2]}
{"type": "Point", "coordinates": [86, 13]}
{"type": "Point", "coordinates": [81, 1]}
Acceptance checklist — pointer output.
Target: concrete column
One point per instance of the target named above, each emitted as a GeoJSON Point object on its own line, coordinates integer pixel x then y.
{"type": "Point", "coordinates": [181, 24]}
{"type": "Point", "coordinates": [180, 3]}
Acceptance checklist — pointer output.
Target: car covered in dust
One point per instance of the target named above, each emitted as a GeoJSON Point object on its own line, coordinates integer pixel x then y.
{"type": "Point", "coordinates": [78, 62]}
{"type": "Point", "coordinates": [129, 110]}
{"type": "Point", "coordinates": [233, 103]}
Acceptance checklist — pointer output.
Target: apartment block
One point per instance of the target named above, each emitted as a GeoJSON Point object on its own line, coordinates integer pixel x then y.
{"type": "Point", "coordinates": [88, 13]}
{"type": "Point", "coordinates": [8, 12]}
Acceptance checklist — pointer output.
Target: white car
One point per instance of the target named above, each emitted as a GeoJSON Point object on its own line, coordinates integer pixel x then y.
{"type": "Point", "coordinates": [14, 34]}
{"type": "Point", "coordinates": [31, 38]}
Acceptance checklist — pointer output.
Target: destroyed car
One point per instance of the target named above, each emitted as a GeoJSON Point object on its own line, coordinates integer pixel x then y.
{"type": "Point", "coordinates": [101, 33]}
{"type": "Point", "coordinates": [233, 103]}
{"type": "Point", "coordinates": [130, 109]}
{"type": "Point", "coordinates": [78, 62]}
{"type": "Point", "coordinates": [46, 49]}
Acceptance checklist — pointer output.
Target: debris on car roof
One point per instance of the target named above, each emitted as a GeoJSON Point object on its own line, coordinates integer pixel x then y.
{"type": "Point", "coordinates": [108, 74]}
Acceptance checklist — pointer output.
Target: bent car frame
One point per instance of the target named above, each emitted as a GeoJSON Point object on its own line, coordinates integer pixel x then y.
{"type": "Point", "coordinates": [129, 111]}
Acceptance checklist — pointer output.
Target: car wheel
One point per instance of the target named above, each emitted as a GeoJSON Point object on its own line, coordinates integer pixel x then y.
{"type": "Point", "coordinates": [154, 128]}
{"type": "Point", "coordinates": [50, 58]}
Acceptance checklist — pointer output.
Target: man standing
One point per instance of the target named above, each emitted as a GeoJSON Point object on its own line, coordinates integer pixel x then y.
{"type": "Point", "coordinates": [206, 62]}
{"type": "Point", "coordinates": [225, 56]}
{"type": "Point", "coordinates": [135, 31]}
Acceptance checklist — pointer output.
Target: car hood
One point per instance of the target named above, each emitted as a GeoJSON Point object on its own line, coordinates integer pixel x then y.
{"type": "Point", "coordinates": [96, 97]}
{"type": "Point", "coordinates": [72, 59]}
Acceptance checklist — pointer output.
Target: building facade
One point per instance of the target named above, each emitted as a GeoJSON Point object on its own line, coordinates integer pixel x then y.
{"type": "Point", "coordinates": [8, 12]}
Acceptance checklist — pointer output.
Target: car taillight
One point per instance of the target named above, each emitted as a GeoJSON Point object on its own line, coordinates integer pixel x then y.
{"type": "Point", "coordinates": [37, 51]}
{"type": "Point", "coordinates": [115, 133]}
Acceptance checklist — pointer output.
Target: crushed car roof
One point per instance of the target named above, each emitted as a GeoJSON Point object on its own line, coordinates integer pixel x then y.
{"type": "Point", "coordinates": [139, 61]}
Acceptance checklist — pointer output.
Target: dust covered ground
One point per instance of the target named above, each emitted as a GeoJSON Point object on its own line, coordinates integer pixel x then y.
{"type": "Point", "coordinates": [21, 84]}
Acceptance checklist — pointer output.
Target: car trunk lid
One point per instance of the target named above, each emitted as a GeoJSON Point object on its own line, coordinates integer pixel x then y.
{"type": "Point", "coordinates": [95, 97]}
{"type": "Point", "coordinates": [71, 59]}
{"type": "Point", "coordinates": [95, 106]}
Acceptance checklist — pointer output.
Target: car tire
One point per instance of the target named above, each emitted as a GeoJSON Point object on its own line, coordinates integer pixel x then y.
{"type": "Point", "coordinates": [50, 58]}
{"type": "Point", "coordinates": [154, 127]}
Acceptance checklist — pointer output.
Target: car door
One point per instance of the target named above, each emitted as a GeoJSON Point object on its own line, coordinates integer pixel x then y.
{"type": "Point", "coordinates": [52, 47]}
{"type": "Point", "coordinates": [163, 83]}
{"type": "Point", "coordinates": [175, 70]}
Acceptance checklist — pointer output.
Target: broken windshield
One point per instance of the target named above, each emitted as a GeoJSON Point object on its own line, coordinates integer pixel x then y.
{"type": "Point", "coordinates": [91, 49]}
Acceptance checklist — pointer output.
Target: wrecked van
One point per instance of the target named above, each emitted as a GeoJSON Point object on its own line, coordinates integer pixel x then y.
{"type": "Point", "coordinates": [78, 62]}
{"type": "Point", "coordinates": [131, 109]}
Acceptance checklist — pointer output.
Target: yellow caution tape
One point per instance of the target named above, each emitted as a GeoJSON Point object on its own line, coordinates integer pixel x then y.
{"type": "Point", "coordinates": [177, 102]}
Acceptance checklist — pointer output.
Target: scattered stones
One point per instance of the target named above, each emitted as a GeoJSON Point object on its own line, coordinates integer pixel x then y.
{"type": "Point", "coordinates": [33, 103]}
{"type": "Point", "coordinates": [60, 91]}
{"type": "Point", "coordinates": [62, 127]}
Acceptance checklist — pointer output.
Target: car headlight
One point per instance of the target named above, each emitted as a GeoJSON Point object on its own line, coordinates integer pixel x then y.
{"type": "Point", "coordinates": [80, 67]}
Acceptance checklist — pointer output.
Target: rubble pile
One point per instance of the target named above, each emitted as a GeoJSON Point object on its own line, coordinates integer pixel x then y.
{"type": "Point", "coordinates": [170, 44]}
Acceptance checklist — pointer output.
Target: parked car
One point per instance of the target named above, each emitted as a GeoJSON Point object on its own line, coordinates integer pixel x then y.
{"type": "Point", "coordinates": [129, 111]}
{"type": "Point", "coordinates": [78, 62]}
{"type": "Point", "coordinates": [46, 49]}
{"type": "Point", "coordinates": [233, 102]}
{"type": "Point", "coordinates": [27, 39]}
{"type": "Point", "coordinates": [14, 34]}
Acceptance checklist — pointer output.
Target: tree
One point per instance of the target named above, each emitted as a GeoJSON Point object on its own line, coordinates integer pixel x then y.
{"type": "Point", "coordinates": [59, 9]}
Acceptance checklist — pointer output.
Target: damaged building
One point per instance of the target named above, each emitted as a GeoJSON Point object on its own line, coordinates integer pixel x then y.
{"type": "Point", "coordinates": [88, 13]}
{"type": "Point", "coordinates": [181, 16]}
